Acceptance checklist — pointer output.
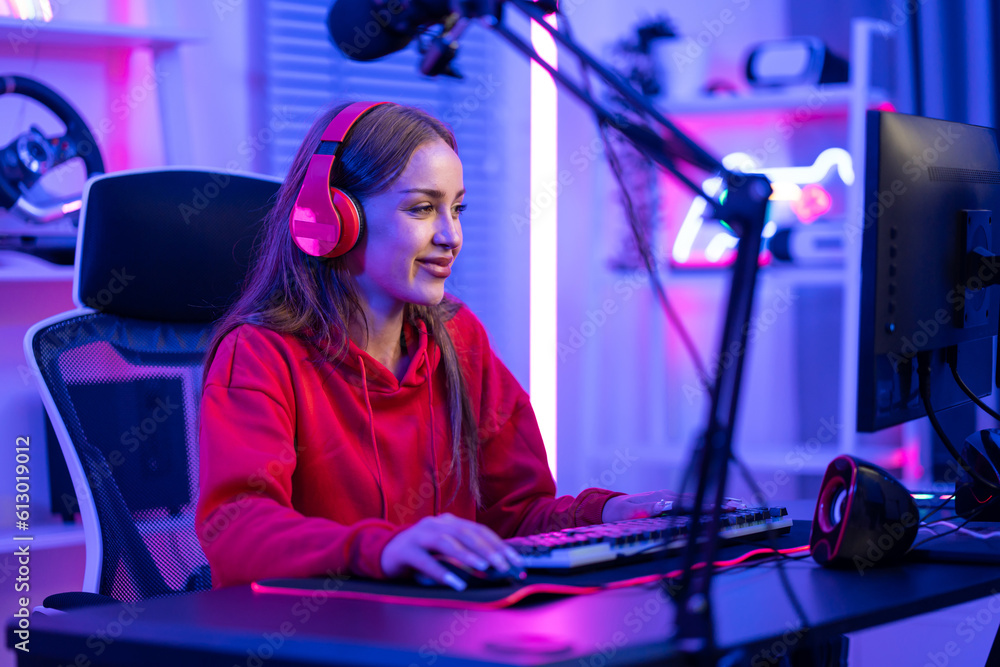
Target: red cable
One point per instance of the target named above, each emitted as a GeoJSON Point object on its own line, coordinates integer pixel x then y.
{"type": "Point", "coordinates": [723, 563]}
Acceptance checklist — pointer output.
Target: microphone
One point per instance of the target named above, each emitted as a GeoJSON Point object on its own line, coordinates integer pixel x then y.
{"type": "Point", "coordinates": [368, 29]}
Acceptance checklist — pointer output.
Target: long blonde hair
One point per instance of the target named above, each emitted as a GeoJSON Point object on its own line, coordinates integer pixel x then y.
{"type": "Point", "coordinates": [316, 298]}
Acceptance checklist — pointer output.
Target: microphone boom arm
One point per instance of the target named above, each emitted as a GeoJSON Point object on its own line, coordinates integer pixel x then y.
{"type": "Point", "coordinates": [744, 210]}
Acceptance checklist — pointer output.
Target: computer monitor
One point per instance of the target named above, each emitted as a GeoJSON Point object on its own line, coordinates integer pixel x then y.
{"type": "Point", "coordinates": [932, 188]}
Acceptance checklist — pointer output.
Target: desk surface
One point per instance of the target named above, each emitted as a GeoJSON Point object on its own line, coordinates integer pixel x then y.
{"type": "Point", "coordinates": [752, 612]}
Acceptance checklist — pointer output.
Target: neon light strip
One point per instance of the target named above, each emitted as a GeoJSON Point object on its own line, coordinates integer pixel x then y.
{"type": "Point", "coordinates": [719, 244]}
{"type": "Point", "coordinates": [692, 221]}
{"type": "Point", "coordinates": [785, 191]}
{"type": "Point", "coordinates": [543, 218]}
{"type": "Point", "coordinates": [814, 173]}
{"type": "Point", "coordinates": [785, 182]}
{"type": "Point", "coordinates": [24, 9]}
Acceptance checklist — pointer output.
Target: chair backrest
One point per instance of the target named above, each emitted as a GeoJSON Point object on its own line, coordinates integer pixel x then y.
{"type": "Point", "coordinates": [160, 255]}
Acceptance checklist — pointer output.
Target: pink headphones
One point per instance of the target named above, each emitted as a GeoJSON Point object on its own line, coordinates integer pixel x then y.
{"type": "Point", "coordinates": [326, 221]}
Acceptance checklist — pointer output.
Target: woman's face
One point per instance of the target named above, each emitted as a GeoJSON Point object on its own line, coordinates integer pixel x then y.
{"type": "Point", "coordinates": [414, 233]}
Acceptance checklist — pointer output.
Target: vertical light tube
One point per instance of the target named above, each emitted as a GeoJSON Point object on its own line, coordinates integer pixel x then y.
{"type": "Point", "coordinates": [24, 9]}
{"type": "Point", "coordinates": [543, 245]}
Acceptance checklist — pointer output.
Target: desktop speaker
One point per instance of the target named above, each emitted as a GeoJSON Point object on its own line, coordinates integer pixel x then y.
{"type": "Point", "coordinates": [864, 517]}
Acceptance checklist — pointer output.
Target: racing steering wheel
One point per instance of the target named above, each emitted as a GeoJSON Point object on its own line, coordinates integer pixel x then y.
{"type": "Point", "coordinates": [31, 154]}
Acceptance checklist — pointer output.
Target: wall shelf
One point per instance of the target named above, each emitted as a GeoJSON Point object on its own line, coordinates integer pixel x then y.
{"type": "Point", "coordinates": [801, 368]}
{"type": "Point", "coordinates": [163, 41]}
{"type": "Point", "coordinates": [91, 35]}
{"type": "Point", "coordinates": [18, 266]}
{"type": "Point", "coordinates": [817, 99]}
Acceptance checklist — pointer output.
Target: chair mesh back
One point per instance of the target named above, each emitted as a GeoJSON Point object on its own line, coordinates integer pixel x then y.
{"type": "Point", "coordinates": [128, 392]}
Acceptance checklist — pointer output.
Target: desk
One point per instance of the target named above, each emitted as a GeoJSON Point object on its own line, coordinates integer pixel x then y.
{"type": "Point", "coordinates": [235, 626]}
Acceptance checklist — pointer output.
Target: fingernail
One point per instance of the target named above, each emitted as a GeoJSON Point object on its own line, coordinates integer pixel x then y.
{"type": "Point", "coordinates": [480, 564]}
{"type": "Point", "coordinates": [452, 580]}
{"type": "Point", "coordinates": [499, 562]}
{"type": "Point", "coordinates": [662, 506]}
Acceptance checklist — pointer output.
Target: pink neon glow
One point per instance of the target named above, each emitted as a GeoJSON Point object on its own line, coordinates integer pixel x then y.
{"type": "Point", "coordinates": [906, 457]}
{"type": "Point", "coordinates": [812, 203]}
{"type": "Point", "coordinates": [909, 460]}
{"type": "Point", "coordinates": [697, 260]}
{"type": "Point", "coordinates": [886, 106]}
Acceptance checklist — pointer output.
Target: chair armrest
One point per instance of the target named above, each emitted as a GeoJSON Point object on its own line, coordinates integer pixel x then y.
{"type": "Point", "coordinates": [63, 602]}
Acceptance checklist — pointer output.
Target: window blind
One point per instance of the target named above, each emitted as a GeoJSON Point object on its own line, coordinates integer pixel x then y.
{"type": "Point", "coordinates": [304, 72]}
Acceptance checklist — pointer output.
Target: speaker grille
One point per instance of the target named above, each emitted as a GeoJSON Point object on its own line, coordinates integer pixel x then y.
{"type": "Point", "coordinates": [963, 175]}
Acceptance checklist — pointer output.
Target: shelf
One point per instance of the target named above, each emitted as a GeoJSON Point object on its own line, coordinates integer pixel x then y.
{"type": "Point", "coordinates": [804, 275]}
{"type": "Point", "coordinates": [19, 266]}
{"type": "Point", "coordinates": [816, 99]}
{"type": "Point", "coordinates": [779, 273]}
{"type": "Point", "coordinates": [66, 33]}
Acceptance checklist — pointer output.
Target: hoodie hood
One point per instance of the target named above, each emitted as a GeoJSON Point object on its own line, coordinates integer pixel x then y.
{"type": "Point", "coordinates": [371, 377]}
{"type": "Point", "coordinates": [424, 355]}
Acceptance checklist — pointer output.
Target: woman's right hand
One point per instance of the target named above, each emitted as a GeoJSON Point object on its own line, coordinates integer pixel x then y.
{"type": "Point", "coordinates": [466, 541]}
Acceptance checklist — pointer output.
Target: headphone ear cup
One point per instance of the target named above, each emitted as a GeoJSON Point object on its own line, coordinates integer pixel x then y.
{"type": "Point", "coordinates": [352, 220]}
{"type": "Point", "coordinates": [314, 222]}
{"type": "Point", "coordinates": [326, 221]}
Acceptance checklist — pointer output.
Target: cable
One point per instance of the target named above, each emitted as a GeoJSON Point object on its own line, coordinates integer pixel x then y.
{"type": "Point", "coordinates": [642, 243]}
{"type": "Point", "coordinates": [938, 508]}
{"type": "Point", "coordinates": [936, 536]}
{"type": "Point", "coordinates": [953, 363]}
{"type": "Point", "coordinates": [644, 251]}
{"type": "Point", "coordinates": [971, 517]}
{"type": "Point", "coordinates": [924, 375]}
{"type": "Point", "coordinates": [768, 551]}
{"type": "Point", "coordinates": [726, 565]}
{"type": "Point", "coordinates": [785, 584]}
{"type": "Point", "coordinates": [963, 529]}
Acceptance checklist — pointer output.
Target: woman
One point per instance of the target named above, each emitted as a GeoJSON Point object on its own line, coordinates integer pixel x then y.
{"type": "Point", "coordinates": [354, 418]}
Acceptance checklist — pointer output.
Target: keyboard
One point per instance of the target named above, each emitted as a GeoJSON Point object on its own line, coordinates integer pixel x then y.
{"type": "Point", "coordinates": [630, 540]}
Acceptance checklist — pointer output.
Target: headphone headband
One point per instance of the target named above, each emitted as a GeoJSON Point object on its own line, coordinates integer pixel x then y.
{"type": "Point", "coordinates": [326, 221]}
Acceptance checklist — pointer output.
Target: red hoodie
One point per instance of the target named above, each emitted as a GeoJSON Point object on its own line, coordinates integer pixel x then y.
{"type": "Point", "coordinates": [307, 469]}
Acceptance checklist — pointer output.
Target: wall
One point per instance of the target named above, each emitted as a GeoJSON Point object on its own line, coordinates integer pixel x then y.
{"type": "Point", "coordinates": [616, 410]}
{"type": "Point", "coordinates": [118, 91]}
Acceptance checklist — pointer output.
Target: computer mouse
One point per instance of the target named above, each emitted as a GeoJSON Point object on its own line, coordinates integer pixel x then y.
{"type": "Point", "coordinates": [973, 499]}
{"type": "Point", "coordinates": [473, 578]}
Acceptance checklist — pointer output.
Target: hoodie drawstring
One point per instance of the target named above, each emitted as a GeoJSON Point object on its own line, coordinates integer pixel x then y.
{"type": "Point", "coordinates": [434, 470]}
{"type": "Point", "coordinates": [371, 423]}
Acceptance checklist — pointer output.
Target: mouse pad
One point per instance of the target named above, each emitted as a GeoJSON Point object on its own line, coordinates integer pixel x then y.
{"type": "Point", "coordinates": [540, 586]}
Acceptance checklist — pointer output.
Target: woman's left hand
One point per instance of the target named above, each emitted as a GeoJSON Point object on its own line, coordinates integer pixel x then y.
{"type": "Point", "coordinates": [653, 503]}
